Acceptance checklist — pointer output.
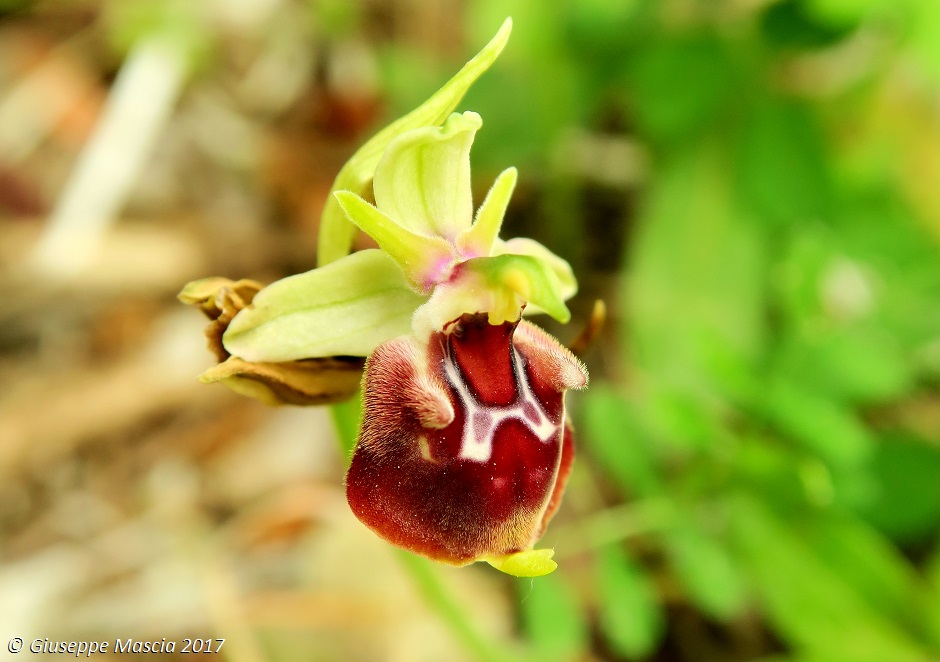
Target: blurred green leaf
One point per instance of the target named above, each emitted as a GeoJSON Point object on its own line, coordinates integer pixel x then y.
{"type": "Point", "coordinates": [338, 17]}
{"type": "Point", "coordinates": [820, 425]}
{"type": "Point", "coordinates": [680, 418]}
{"type": "Point", "coordinates": [808, 604]}
{"type": "Point", "coordinates": [408, 74]}
{"type": "Point", "coordinates": [880, 231]}
{"type": "Point", "coordinates": [616, 440]}
{"type": "Point", "coordinates": [14, 6]}
{"type": "Point", "coordinates": [552, 618]}
{"type": "Point", "coordinates": [707, 570]}
{"type": "Point", "coordinates": [791, 23]}
{"type": "Point", "coordinates": [695, 288]}
{"type": "Point", "coordinates": [678, 85]}
{"type": "Point", "coordinates": [534, 94]}
{"type": "Point", "coordinates": [600, 31]}
{"type": "Point", "coordinates": [907, 502]}
{"type": "Point", "coordinates": [924, 33]}
{"type": "Point", "coordinates": [771, 470]}
{"type": "Point", "coordinates": [800, 269]}
{"type": "Point", "coordinates": [840, 13]}
{"type": "Point", "coordinates": [630, 617]}
{"type": "Point", "coordinates": [782, 164]}
{"type": "Point", "coordinates": [859, 365]}
{"type": "Point", "coordinates": [185, 26]}
{"type": "Point", "coordinates": [868, 563]}
{"type": "Point", "coordinates": [932, 606]}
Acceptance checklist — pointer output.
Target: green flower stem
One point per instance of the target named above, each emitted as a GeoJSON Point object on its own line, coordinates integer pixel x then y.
{"type": "Point", "coordinates": [346, 420]}
{"type": "Point", "coordinates": [428, 581]}
{"type": "Point", "coordinates": [425, 577]}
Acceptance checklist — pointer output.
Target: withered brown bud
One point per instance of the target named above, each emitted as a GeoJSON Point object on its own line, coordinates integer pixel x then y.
{"type": "Point", "coordinates": [316, 381]}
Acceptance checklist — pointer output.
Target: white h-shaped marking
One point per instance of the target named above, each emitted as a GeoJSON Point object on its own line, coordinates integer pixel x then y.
{"type": "Point", "coordinates": [481, 421]}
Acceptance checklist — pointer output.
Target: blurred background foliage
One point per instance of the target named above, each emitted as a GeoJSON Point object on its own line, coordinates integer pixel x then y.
{"type": "Point", "coordinates": [751, 185]}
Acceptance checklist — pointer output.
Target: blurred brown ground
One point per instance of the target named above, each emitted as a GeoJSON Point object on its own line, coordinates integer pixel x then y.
{"type": "Point", "coordinates": [134, 501]}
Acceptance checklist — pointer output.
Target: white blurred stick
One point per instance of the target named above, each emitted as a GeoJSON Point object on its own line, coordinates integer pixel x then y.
{"type": "Point", "coordinates": [31, 108]}
{"type": "Point", "coordinates": [138, 106]}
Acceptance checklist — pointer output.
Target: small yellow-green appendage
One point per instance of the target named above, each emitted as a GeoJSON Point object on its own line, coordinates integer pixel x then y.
{"type": "Point", "coordinates": [530, 563]}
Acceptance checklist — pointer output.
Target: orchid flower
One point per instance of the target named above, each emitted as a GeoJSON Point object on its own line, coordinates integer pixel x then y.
{"type": "Point", "coordinates": [464, 445]}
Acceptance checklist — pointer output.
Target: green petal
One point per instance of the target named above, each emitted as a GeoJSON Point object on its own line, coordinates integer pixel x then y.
{"type": "Point", "coordinates": [479, 240]}
{"type": "Point", "coordinates": [531, 278]}
{"type": "Point", "coordinates": [559, 267]}
{"type": "Point", "coordinates": [336, 233]}
{"type": "Point", "coordinates": [347, 308]}
{"type": "Point", "coordinates": [423, 180]}
{"type": "Point", "coordinates": [425, 261]}
{"type": "Point", "coordinates": [498, 286]}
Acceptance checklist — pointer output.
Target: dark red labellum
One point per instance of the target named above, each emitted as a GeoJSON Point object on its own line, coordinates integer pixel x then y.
{"type": "Point", "coordinates": [464, 448]}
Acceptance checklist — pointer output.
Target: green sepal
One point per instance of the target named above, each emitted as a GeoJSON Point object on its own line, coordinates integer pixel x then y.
{"type": "Point", "coordinates": [425, 261]}
{"type": "Point", "coordinates": [530, 563]}
{"type": "Point", "coordinates": [347, 308]}
{"type": "Point", "coordinates": [336, 233]}
{"type": "Point", "coordinates": [423, 179]}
